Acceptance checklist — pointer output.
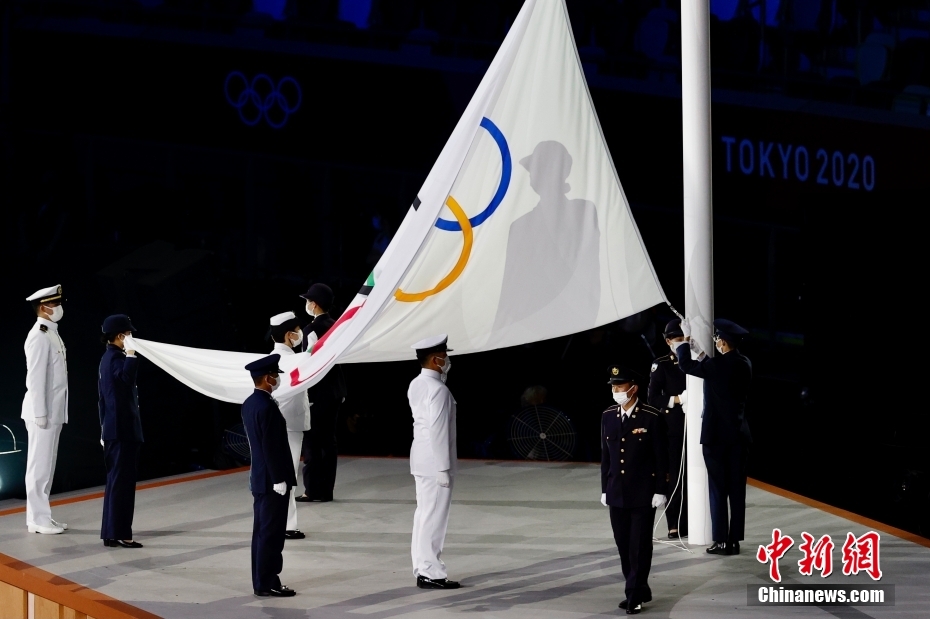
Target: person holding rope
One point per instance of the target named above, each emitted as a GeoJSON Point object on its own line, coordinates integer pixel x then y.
{"type": "Point", "coordinates": [667, 394]}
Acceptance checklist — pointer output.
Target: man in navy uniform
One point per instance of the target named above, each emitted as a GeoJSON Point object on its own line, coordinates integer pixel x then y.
{"type": "Point", "coordinates": [45, 407]}
{"type": "Point", "coordinates": [725, 436]}
{"type": "Point", "coordinates": [634, 474]}
{"type": "Point", "coordinates": [271, 477]}
{"type": "Point", "coordinates": [326, 397]}
{"type": "Point", "coordinates": [120, 430]}
{"type": "Point", "coordinates": [667, 394]}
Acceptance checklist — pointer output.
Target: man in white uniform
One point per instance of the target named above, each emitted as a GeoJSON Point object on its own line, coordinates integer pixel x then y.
{"type": "Point", "coordinates": [433, 461]}
{"type": "Point", "coordinates": [45, 407]}
{"type": "Point", "coordinates": [286, 333]}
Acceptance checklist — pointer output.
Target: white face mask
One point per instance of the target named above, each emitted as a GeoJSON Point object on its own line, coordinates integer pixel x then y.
{"type": "Point", "coordinates": [277, 383]}
{"type": "Point", "coordinates": [311, 309]}
{"type": "Point", "coordinates": [446, 366]}
{"type": "Point", "coordinates": [297, 340]}
{"type": "Point", "coordinates": [621, 397]}
{"type": "Point", "coordinates": [719, 346]}
{"type": "Point", "coordinates": [55, 313]}
{"type": "Point", "coordinates": [674, 346]}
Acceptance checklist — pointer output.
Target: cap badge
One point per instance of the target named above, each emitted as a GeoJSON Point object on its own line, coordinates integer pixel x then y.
{"type": "Point", "coordinates": [614, 371]}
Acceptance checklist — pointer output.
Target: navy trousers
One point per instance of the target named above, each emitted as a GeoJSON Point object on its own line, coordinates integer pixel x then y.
{"type": "Point", "coordinates": [268, 525]}
{"type": "Point", "coordinates": [633, 534]}
{"type": "Point", "coordinates": [119, 497]}
{"type": "Point", "coordinates": [320, 451]}
{"type": "Point", "coordinates": [726, 474]}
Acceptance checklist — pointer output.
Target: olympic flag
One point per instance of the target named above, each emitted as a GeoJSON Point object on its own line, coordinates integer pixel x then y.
{"type": "Point", "coordinates": [520, 233]}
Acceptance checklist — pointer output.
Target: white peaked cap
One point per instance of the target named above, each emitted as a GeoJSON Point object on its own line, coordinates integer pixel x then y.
{"type": "Point", "coordinates": [52, 293]}
{"type": "Point", "coordinates": [431, 342]}
{"type": "Point", "coordinates": [282, 318]}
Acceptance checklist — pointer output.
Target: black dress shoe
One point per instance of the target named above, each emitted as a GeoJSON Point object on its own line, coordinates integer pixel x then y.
{"type": "Point", "coordinates": [719, 548]}
{"type": "Point", "coordinates": [302, 499]}
{"type": "Point", "coordinates": [114, 543]}
{"type": "Point", "coordinates": [623, 604]}
{"type": "Point", "coordinates": [440, 583]}
{"type": "Point", "coordinates": [733, 548]}
{"type": "Point", "coordinates": [283, 592]}
{"type": "Point", "coordinates": [635, 610]}
{"type": "Point", "coordinates": [295, 534]}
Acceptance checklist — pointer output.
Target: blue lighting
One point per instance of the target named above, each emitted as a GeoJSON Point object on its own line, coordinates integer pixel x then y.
{"type": "Point", "coordinates": [260, 98]}
{"type": "Point", "coordinates": [355, 11]}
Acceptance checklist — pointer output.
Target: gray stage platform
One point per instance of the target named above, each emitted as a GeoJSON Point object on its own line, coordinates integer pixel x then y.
{"type": "Point", "coordinates": [527, 541]}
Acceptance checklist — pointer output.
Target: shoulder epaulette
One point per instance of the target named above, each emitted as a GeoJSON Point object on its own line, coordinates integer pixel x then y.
{"type": "Point", "coordinates": [43, 328]}
{"type": "Point", "coordinates": [611, 408]}
{"type": "Point", "coordinates": [648, 409]}
{"type": "Point", "coordinates": [668, 357]}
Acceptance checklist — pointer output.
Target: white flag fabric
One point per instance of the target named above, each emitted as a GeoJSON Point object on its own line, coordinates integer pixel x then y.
{"type": "Point", "coordinates": [520, 233]}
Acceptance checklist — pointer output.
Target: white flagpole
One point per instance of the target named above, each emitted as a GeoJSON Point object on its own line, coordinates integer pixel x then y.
{"type": "Point", "coordinates": [699, 253]}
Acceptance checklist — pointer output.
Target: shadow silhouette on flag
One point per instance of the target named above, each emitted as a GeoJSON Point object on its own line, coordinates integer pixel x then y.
{"type": "Point", "coordinates": [552, 269]}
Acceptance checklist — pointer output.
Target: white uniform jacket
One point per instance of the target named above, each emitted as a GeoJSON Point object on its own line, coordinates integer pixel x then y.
{"type": "Point", "coordinates": [433, 408]}
{"type": "Point", "coordinates": [46, 374]}
{"type": "Point", "coordinates": [296, 410]}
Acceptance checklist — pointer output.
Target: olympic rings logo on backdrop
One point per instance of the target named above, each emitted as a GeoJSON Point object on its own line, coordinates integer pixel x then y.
{"type": "Point", "coordinates": [261, 98]}
{"type": "Point", "coordinates": [465, 224]}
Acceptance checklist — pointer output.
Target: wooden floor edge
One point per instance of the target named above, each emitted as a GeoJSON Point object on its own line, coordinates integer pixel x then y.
{"type": "Point", "coordinates": [90, 496]}
{"type": "Point", "coordinates": [842, 513]}
{"type": "Point", "coordinates": [66, 593]}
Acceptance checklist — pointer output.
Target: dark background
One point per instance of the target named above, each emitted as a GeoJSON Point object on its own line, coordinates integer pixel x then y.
{"type": "Point", "coordinates": [128, 178]}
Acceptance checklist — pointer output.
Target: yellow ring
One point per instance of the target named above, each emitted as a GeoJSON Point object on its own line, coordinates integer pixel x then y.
{"type": "Point", "coordinates": [445, 282]}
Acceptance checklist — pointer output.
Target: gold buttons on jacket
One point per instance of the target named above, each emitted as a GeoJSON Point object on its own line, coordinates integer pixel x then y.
{"type": "Point", "coordinates": [622, 472]}
{"type": "Point", "coordinates": [621, 451]}
{"type": "Point", "coordinates": [621, 462]}
{"type": "Point", "coordinates": [623, 439]}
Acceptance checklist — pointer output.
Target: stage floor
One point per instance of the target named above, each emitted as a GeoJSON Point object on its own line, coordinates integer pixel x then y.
{"type": "Point", "coordinates": [527, 540]}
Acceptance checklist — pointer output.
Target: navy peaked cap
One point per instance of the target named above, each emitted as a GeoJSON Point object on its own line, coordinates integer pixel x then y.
{"type": "Point", "coordinates": [117, 323]}
{"type": "Point", "coordinates": [264, 366]}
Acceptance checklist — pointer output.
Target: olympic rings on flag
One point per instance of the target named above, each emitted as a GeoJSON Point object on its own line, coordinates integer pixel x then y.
{"type": "Point", "coordinates": [462, 221]}
{"type": "Point", "coordinates": [262, 98]}
{"type": "Point", "coordinates": [506, 170]}
{"type": "Point", "coordinates": [445, 282]}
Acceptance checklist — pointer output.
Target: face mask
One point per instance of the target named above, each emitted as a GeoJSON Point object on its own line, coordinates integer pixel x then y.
{"type": "Point", "coordinates": [55, 313]}
{"type": "Point", "coordinates": [277, 383]}
{"type": "Point", "coordinates": [446, 366]}
{"type": "Point", "coordinates": [674, 346]}
{"type": "Point", "coordinates": [719, 347]}
{"type": "Point", "coordinates": [621, 397]}
{"type": "Point", "coordinates": [298, 339]}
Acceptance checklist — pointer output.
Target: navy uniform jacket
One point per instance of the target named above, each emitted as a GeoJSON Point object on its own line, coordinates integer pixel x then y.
{"type": "Point", "coordinates": [667, 380]}
{"type": "Point", "coordinates": [267, 432]}
{"type": "Point", "coordinates": [118, 396]}
{"type": "Point", "coordinates": [333, 385]}
{"type": "Point", "coordinates": [726, 390]}
{"type": "Point", "coordinates": [634, 463]}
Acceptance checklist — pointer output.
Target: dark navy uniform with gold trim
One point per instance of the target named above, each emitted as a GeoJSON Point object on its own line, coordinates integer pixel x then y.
{"type": "Point", "coordinates": [667, 380]}
{"type": "Point", "coordinates": [634, 468]}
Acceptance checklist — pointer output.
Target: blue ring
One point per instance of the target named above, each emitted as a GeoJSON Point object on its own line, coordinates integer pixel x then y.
{"type": "Point", "coordinates": [506, 168]}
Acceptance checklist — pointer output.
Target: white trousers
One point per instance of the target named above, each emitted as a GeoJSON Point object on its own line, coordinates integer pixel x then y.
{"type": "Point", "coordinates": [41, 457]}
{"type": "Point", "coordinates": [430, 522]}
{"type": "Point", "coordinates": [294, 441]}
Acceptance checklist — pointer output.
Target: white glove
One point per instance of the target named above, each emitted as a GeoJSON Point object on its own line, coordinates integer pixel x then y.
{"type": "Point", "coordinates": [604, 499]}
{"type": "Point", "coordinates": [686, 328]}
{"type": "Point", "coordinates": [696, 347]}
{"type": "Point", "coordinates": [683, 398]}
{"type": "Point", "coordinates": [658, 500]}
{"type": "Point", "coordinates": [101, 443]}
{"type": "Point", "coordinates": [443, 479]}
{"type": "Point", "coordinates": [42, 422]}
{"type": "Point", "coordinates": [129, 345]}
{"type": "Point", "coordinates": [282, 488]}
